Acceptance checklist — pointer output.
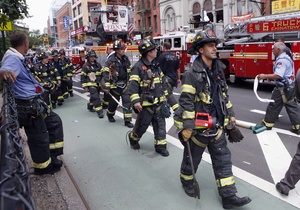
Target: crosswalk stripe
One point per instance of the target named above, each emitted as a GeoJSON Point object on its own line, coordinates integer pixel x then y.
{"type": "Point", "coordinates": [261, 112]}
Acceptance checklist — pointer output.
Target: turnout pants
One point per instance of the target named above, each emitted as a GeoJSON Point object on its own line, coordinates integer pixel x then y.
{"type": "Point", "coordinates": [221, 162]}
{"type": "Point", "coordinates": [150, 114]}
{"type": "Point", "coordinates": [112, 104]}
{"type": "Point", "coordinates": [170, 98]}
{"type": "Point", "coordinates": [95, 99]}
{"type": "Point", "coordinates": [274, 109]}
{"type": "Point", "coordinates": [292, 176]}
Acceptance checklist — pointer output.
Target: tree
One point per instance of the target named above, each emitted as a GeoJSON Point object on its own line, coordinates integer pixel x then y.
{"type": "Point", "coordinates": [13, 10]}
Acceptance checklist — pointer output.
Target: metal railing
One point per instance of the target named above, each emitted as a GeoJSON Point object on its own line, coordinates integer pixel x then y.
{"type": "Point", "coordinates": [15, 192]}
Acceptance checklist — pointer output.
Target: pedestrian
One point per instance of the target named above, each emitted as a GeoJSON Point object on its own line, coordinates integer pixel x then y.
{"type": "Point", "coordinates": [90, 81]}
{"type": "Point", "coordinates": [148, 95]}
{"type": "Point", "coordinates": [284, 92]}
{"type": "Point", "coordinates": [292, 176]}
{"type": "Point", "coordinates": [115, 81]}
{"type": "Point", "coordinates": [170, 66]}
{"type": "Point", "coordinates": [287, 49]}
{"type": "Point", "coordinates": [204, 96]}
{"type": "Point", "coordinates": [42, 126]}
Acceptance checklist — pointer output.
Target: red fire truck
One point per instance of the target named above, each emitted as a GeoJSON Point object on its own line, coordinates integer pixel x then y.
{"type": "Point", "coordinates": [180, 41]}
{"type": "Point", "coordinates": [247, 49]}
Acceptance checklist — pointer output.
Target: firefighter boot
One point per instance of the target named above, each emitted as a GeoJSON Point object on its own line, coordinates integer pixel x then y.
{"type": "Point", "coordinates": [189, 188]}
{"type": "Point", "coordinates": [90, 108]}
{"type": "Point", "coordinates": [56, 162]}
{"type": "Point", "coordinates": [162, 151]}
{"type": "Point", "coordinates": [282, 188]}
{"type": "Point", "coordinates": [295, 129]}
{"type": "Point", "coordinates": [234, 201]}
{"type": "Point", "coordinates": [50, 169]}
{"type": "Point", "coordinates": [110, 118]}
{"type": "Point", "coordinates": [100, 114]}
{"type": "Point", "coordinates": [71, 94]}
{"type": "Point", "coordinates": [128, 124]}
{"type": "Point", "coordinates": [53, 105]}
{"type": "Point", "coordinates": [133, 143]}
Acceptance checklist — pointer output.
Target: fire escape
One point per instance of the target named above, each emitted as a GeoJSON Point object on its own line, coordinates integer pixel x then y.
{"type": "Point", "coordinates": [144, 11]}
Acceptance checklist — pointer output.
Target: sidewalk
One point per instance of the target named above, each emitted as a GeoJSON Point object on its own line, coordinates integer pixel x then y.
{"type": "Point", "coordinates": [51, 192]}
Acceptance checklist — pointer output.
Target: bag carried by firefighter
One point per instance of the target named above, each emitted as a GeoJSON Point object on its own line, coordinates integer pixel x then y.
{"type": "Point", "coordinates": [289, 90]}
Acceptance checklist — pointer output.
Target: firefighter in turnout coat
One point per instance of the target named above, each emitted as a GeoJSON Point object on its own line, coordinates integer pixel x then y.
{"type": "Point", "coordinates": [68, 73]}
{"type": "Point", "coordinates": [49, 78]}
{"type": "Point", "coordinates": [90, 81]}
{"type": "Point", "coordinates": [148, 91]}
{"type": "Point", "coordinates": [115, 75]}
{"type": "Point", "coordinates": [204, 96]}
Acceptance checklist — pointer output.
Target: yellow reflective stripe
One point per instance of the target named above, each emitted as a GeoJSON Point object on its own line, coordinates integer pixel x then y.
{"type": "Point", "coordinates": [94, 84]}
{"type": "Point", "coordinates": [99, 108]}
{"type": "Point", "coordinates": [97, 73]}
{"type": "Point", "coordinates": [44, 74]}
{"type": "Point", "coordinates": [42, 165]}
{"type": "Point", "coordinates": [268, 124]}
{"type": "Point", "coordinates": [128, 115]}
{"type": "Point", "coordinates": [188, 89]}
{"type": "Point", "coordinates": [188, 115]}
{"type": "Point", "coordinates": [296, 127]}
{"type": "Point", "coordinates": [111, 113]}
{"type": "Point", "coordinates": [146, 103]}
{"type": "Point", "coordinates": [134, 97]}
{"type": "Point", "coordinates": [175, 106]}
{"type": "Point", "coordinates": [105, 69]}
{"type": "Point", "coordinates": [200, 127]}
{"type": "Point", "coordinates": [134, 137]}
{"type": "Point", "coordinates": [205, 98]}
{"type": "Point", "coordinates": [178, 124]}
{"type": "Point", "coordinates": [135, 77]}
{"type": "Point", "coordinates": [225, 181]}
{"type": "Point", "coordinates": [56, 145]}
{"type": "Point", "coordinates": [160, 142]}
{"type": "Point", "coordinates": [229, 105]}
{"type": "Point", "coordinates": [186, 177]}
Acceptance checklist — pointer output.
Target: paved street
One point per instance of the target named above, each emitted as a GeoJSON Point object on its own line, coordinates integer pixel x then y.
{"type": "Point", "coordinates": [112, 176]}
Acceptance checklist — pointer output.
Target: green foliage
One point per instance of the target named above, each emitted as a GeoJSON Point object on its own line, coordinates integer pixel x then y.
{"type": "Point", "coordinates": [12, 10]}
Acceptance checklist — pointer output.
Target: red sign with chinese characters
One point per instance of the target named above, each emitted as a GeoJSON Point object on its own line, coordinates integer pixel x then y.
{"type": "Point", "coordinates": [274, 26]}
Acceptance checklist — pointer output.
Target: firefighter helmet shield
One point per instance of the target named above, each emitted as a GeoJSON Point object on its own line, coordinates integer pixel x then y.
{"type": "Point", "coordinates": [91, 53]}
{"type": "Point", "coordinates": [147, 45]}
{"type": "Point", "coordinates": [54, 53]}
{"type": "Point", "coordinates": [201, 38]}
{"type": "Point", "coordinates": [119, 45]}
{"type": "Point", "coordinates": [62, 52]}
{"type": "Point", "coordinates": [43, 55]}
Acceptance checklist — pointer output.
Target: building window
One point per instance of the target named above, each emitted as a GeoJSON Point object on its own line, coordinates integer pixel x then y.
{"type": "Point", "coordinates": [154, 4]}
{"type": "Point", "coordinates": [80, 22]}
{"type": "Point", "coordinates": [75, 24]}
{"type": "Point", "coordinates": [155, 23]}
{"type": "Point", "coordinates": [74, 13]}
{"type": "Point", "coordinates": [79, 9]}
{"type": "Point", "coordinates": [207, 6]}
{"type": "Point", "coordinates": [149, 22]}
{"type": "Point", "coordinates": [219, 10]}
{"type": "Point", "coordinates": [149, 4]}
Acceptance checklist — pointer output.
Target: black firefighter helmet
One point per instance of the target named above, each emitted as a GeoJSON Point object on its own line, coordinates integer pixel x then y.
{"type": "Point", "coordinates": [119, 44]}
{"type": "Point", "coordinates": [54, 53]}
{"type": "Point", "coordinates": [146, 45]}
{"type": "Point", "coordinates": [90, 53]}
{"type": "Point", "coordinates": [43, 55]}
{"type": "Point", "coordinates": [62, 52]}
{"type": "Point", "coordinates": [201, 38]}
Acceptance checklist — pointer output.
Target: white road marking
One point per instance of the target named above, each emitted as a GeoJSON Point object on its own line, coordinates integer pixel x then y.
{"type": "Point", "coordinates": [272, 148]}
{"type": "Point", "coordinates": [261, 112]}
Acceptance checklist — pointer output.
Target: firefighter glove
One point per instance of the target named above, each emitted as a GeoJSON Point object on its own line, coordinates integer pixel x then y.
{"type": "Point", "coordinates": [234, 134]}
{"type": "Point", "coordinates": [186, 134]}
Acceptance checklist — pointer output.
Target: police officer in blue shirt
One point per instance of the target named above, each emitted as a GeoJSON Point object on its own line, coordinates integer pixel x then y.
{"type": "Point", "coordinates": [43, 127]}
{"type": "Point", "coordinates": [284, 92]}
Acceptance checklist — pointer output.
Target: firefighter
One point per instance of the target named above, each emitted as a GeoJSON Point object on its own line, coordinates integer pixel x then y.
{"type": "Point", "coordinates": [148, 91]}
{"type": "Point", "coordinates": [170, 66]}
{"type": "Point", "coordinates": [109, 51]}
{"type": "Point", "coordinates": [204, 112]}
{"type": "Point", "coordinates": [284, 92]}
{"type": "Point", "coordinates": [115, 78]}
{"type": "Point", "coordinates": [55, 63]}
{"type": "Point", "coordinates": [90, 80]}
{"type": "Point", "coordinates": [49, 79]}
{"type": "Point", "coordinates": [68, 73]}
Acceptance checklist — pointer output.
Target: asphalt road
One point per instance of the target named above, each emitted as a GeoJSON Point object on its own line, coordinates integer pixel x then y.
{"type": "Point", "coordinates": [260, 159]}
